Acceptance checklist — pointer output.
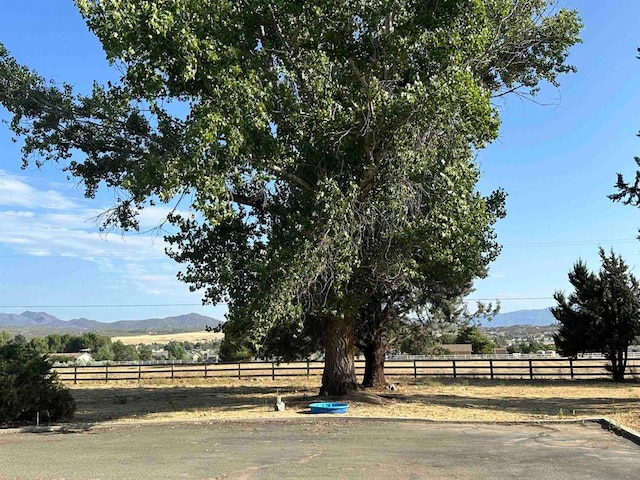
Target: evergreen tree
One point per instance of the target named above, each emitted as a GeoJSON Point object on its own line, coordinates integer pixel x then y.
{"type": "Point", "coordinates": [28, 386]}
{"type": "Point", "coordinates": [480, 343]}
{"type": "Point", "coordinates": [602, 314]}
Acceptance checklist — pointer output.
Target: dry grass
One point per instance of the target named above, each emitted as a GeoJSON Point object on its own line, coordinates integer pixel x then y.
{"type": "Point", "coordinates": [445, 399]}
{"type": "Point", "coordinates": [166, 338]}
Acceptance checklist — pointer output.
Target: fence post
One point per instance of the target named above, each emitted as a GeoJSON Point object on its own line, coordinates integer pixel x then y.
{"type": "Point", "coordinates": [415, 369]}
{"type": "Point", "coordinates": [308, 368]}
{"type": "Point", "coordinates": [139, 372]}
{"type": "Point", "coordinates": [273, 371]}
{"type": "Point", "coordinates": [106, 373]}
{"type": "Point", "coordinates": [172, 371]}
{"type": "Point", "coordinates": [205, 370]}
{"type": "Point", "coordinates": [530, 369]}
{"type": "Point", "coordinates": [491, 368]}
{"type": "Point", "coordinates": [75, 374]}
{"type": "Point", "coordinates": [239, 375]}
{"type": "Point", "coordinates": [571, 367]}
{"type": "Point", "coordinates": [455, 373]}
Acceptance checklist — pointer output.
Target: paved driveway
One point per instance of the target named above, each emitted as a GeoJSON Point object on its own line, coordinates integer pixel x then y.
{"type": "Point", "coordinates": [322, 448]}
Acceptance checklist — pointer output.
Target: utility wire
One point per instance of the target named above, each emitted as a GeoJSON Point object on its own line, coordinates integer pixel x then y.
{"type": "Point", "coordinates": [569, 243]}
{"type": "Point", "coordinates": [107, 306]}
{"type": "Point", "coordinates": [573, 243]}
{"type": "Point", "coordinates": [138, 305]}
{"type": "Point", "coordinates": [506, 299]}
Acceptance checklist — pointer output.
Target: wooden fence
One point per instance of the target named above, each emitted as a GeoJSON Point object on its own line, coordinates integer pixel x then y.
{"type": "Point", "coordinates": [499, 368]}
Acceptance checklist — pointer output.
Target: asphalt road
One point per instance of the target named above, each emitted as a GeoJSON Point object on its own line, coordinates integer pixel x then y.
{"type": "Point", "coordinates": [322, 448]}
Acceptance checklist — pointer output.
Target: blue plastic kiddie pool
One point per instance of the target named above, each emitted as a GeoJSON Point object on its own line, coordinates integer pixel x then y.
{"type": "Point", "coordinates": [329, 407]}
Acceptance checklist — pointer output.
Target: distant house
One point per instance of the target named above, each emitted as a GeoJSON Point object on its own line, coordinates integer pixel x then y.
{"type": "Point", "coordinates": [79, 358]}
{"type": "Point", "coordinates": [457, 348]}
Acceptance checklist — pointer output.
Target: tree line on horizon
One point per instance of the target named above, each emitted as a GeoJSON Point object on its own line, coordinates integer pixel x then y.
{"type": "Point", "coordinates": [102, 348]}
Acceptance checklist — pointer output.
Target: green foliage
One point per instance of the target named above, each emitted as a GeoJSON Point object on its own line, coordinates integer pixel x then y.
{"type": "Point", "coordinates": [602, 314]}
{"type": "Point", "coordinates": [480, 343]}
{"type": "Point", "coordinates": [145, 352]}
{"type": "Point", "coordinates": [628, 192]}
{"type": "Point", "coordinates": [71, 343]}
{"type": "Point", "coordinates": [122, 352]}
{"type": "Point", "coordinates": [4, 337]}
{"type": "Point", "coordinates": [28, 386]}
{"type": "Point", "coordinates": [415, 339]}
{"type": "Point", "coordinates": [94, 341]}
{"type": "Point", "coordinates": [39, 345]}
{"type": "Point", "coordinates": [324, 150]}
{"type": "Point", "coordinates": [235, 350]}
{"type": "Point", "coordinates": [531, 346]}
{"type": "Point", "coordinates": [99, 345]}
{"type": "Point", "coordinates": [105, 352]}
{"type": "Point", "coordinates": [442, 321]}
{"type": "Point", "coordinates": [54, 342]}
{"type": "Point", "coordinates": [447, 338]}
{"type": "Point", "coordinates": [175, 350]}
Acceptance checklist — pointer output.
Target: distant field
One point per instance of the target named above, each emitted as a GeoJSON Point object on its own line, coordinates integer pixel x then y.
{"type": "Point", "coordinates": [167, 337]}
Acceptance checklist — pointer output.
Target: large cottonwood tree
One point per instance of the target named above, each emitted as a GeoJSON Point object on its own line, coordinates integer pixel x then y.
{"type": "Point", "coordinates": [302, 136]}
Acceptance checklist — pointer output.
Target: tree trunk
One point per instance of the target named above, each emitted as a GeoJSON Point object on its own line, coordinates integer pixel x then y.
{"type": "Point", "coordinates": [374, 355]}
{"type": "Point", "coordinates": [339, 375]}
{"type": "Point", "coordinates": [618, 365]}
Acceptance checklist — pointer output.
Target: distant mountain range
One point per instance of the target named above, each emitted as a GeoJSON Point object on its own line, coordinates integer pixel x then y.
{"type": "Point", "coordinates": [41, 323]}
{"type": "Point", "coordinates": [541, 317]}
{"type": "Point", "coordinates": [32, 323]}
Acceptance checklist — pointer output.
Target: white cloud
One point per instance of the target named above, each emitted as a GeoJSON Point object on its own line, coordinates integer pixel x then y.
{"type": "Point", "coordinates": [15, 192]}
{"type": "Point", "coordinates": [45, 222]}
{"type": "Point", "coordinates": [152, 279]}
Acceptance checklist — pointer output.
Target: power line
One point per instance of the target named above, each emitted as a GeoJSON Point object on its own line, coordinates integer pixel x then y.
{"type": "Point", "coordinates": [146, 305]}
{"type": "Point", "coordinates": [137, 305]}
{"type": "Point", "coordinates": [572, 243]}
{"type": "Point", "coordinates": [506, 299]}
{"type": "Point", "coordinates": [85, 255]}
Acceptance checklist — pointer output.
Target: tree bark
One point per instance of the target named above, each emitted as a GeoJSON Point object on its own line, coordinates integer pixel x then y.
{"type": "Point", "coordinates": [339, 375]}
{"type": "Point", "coordinates": [618, 365]}
{"type": "Point", "coordinates": [374, 356]}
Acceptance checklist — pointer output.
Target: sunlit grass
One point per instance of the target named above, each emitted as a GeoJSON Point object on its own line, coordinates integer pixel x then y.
{"type": "Point", "coordinates": [441, 399]}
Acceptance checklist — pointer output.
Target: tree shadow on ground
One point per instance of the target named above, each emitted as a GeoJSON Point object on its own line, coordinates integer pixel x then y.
{"type": "Point", "coordinates": [129, 403]}
{"type": "Point", "coordinates": [530, 404]}
{"type": "Point", "coordinates": [548, 406]}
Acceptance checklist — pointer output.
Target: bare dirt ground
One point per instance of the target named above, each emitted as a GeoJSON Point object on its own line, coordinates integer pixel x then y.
{"type": "Point", "coordinates": [442, 399]}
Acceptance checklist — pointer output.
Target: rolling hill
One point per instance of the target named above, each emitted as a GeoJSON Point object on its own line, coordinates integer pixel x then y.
{"type": "Point", "coordinates": [541, 317]}
{"type": "Point", "coordinates": [41, 323]}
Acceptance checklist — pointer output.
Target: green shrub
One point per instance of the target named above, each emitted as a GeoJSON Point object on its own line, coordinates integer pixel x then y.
{"type": "Point", "coordinates": [28, 386]}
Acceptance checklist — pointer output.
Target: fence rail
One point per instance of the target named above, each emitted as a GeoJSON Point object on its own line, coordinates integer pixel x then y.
{"type": "Point", "coordinates": [492, 368]}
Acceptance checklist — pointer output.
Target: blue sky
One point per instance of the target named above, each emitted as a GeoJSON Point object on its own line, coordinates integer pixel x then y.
{"type": "Point", "coordinates": [557, 162]}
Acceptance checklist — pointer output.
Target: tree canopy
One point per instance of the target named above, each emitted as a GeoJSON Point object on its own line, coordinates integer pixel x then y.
{"type": "Point", "coordinates": [602, 314]}
{"type": "Point", "coordinates": [317, 153]}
